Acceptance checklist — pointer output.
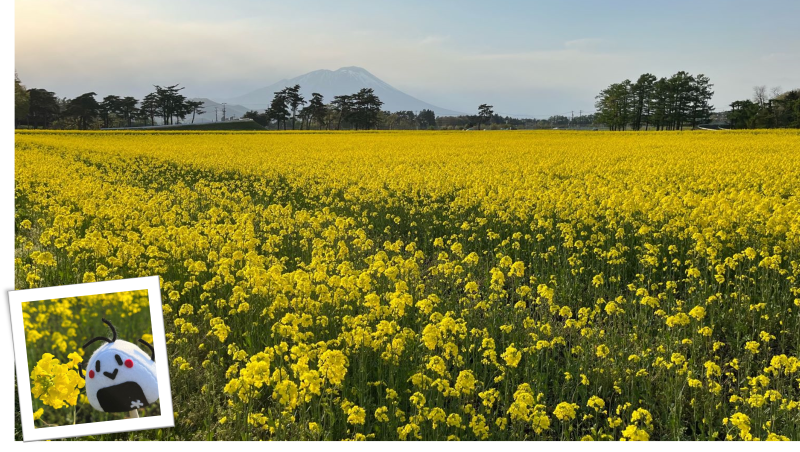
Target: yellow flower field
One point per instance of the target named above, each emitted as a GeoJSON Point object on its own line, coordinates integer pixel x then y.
{"type": "Point", "coordinates": [442, 286]}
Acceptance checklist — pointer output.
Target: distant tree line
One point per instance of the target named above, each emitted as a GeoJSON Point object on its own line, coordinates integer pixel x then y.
{"type": "Point", "coordinates": [39, 108]}
{"type": "Point", "coordinates": [773, 109]}
{"type": "Point", "coordinates": [353, 112]}
{"type": "Point", "coordinates": [361, 110]}
{"type": "Point", "coordinates": [498, 122]}
{"type": "Point", "coordinates": [682, 100]}
{"type": "Point", "coordinates": [409, 120]}
{"type": "Point", "coordinates": [650, 103]}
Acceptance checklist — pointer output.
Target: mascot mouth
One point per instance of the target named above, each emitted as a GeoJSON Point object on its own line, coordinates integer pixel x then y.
{"type": "Point", "coordinates": [122, 397]}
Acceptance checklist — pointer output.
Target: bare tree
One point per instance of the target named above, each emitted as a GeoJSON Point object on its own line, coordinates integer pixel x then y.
{"type": "Point", "coordinates": [760, 95]}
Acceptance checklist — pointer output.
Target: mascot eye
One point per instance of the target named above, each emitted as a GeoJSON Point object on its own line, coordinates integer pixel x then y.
{"type": "Point", "coordinates": [128, 363]}
{"type": "Point", "coordinates": [119, 360]}
{"type": "Point", "coordinates": [97, 365]}
{"type": "Point", "coordinates": [91, 374]}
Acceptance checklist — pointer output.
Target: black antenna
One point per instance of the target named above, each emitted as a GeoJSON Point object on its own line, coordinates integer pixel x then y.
{"type": "Point", "coordinates": [95, 339]}
{"type": "Point", "coordinates": [113, 330]}
{"type": "Point", "coordinates": [152, 350]}
{"type": "Point", "coordinates": [103, 338]}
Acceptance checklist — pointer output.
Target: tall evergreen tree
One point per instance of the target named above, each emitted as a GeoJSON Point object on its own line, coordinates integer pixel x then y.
{"type": "Point", "coordinates": [84, 109]}
{"type": "Point", "coordinates": [171, 103]}
{"type": "Point", "coordinates": [613, 105]}
{"type": "Point", "coordinates": [342, 105]}
{"type": "Point", "coordinates": [485, 113]}
{"type": "Point", "coordinates": [318, 110]}
{"type": "Point", "coordinates": [626, 106]}
{"type": "Point", "coordinates": [109, 106]}
{"type": "Point", "coordinates": [642, 96]}
{"type": "Point", "coordinates": [43, 107]}
{"type": "Point", "coordinates": [681, 88]}
{"type": "Point", "coordinates": [128, 109]}
{"type": "Point", "coordinates": [660, 102]}
{"type": "Point", "coordinates": [278, 110]}
{"type": "Point", "coordinates": [195, 107]}
{"type": "Point", "coordinates": [149, 108]}
{"type": "Point", "coordinates": [294, 100]}
{"type": "Point", "coordinates": [700, 107]}
{"type": "Point", "coordinates": [367, 108]}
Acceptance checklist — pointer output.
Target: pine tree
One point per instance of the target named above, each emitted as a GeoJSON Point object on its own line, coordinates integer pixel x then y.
{"type": "Point", "coordinates": [485, 112]}
{"type": "Point", "coordinates": [700, 106]}
{"type": "Point", "coordinates": [343, 106]}
{"type": "Point", "coordinates": [317, 109]}
{"type": "Point", "coordinates": [294, 100]}
{"type": "Point", "coordinates": [278, 110]}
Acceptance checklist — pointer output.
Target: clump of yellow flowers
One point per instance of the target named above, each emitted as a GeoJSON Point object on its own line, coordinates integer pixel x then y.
{"type": "Point", "coordinates": [57, 384]}
{"type": "Point", "coordinates": [438, 286]}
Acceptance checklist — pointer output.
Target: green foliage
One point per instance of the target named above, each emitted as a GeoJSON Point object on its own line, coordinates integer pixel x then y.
{"type": "Point", "coordinates": [22, 101]}
{"type": "Point", "coordinates": [361, 110]}
{"type": "Point", "coordinates": [782, 110]}
{"type": "Point", "coordinates": [485, 113]}
{"type": "Point", "coordinates": [426, 119]}
{"type": "Point", "coordinates": [294, 100]}
{"type": "Point", "coordinates": [260, 118]}
{"type": "Point", "coordinates": [317, 110]}
{"type": "Point", "coordinates": [278, 110]}
{"type": "Point", "coordinates": [170, 103]}
{"type": "Point", "coordinates": [228, 125]}
{"type": "Point", "coordinates": [149, 108]}
{"type": "Point", "coordinates": [84, 108]}
{"type": "Point", "coordinates": [195, 107]}
{"type": "Point", "coordinates": [366, 108]}
{"type": "Point", "coordinates": [43, 108]}
{"type": "Point", "coordinates": [665, 104]}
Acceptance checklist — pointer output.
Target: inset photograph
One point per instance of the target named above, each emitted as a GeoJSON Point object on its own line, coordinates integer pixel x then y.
{"type": "Point", "coordinates": [89, 359]}
{"type": "Point", "coordinates": [72, 346]}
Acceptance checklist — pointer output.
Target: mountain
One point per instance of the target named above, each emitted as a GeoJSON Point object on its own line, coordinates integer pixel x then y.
{"type": "Point", "coordinates": [346, 80]}
{"type": "Point", "coordinates": [231, 111]}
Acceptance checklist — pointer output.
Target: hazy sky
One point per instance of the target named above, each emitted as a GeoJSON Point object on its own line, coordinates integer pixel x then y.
{"type": "Point", "coordinates": [524, 57]}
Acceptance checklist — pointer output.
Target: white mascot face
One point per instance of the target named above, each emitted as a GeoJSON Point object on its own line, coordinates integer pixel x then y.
{"type": "Point", "coordinates": [120, 377]}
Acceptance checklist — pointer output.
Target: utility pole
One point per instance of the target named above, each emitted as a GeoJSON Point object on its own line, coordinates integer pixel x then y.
{"type": "Point", "coordinates": [215, 115]}
{"type": "Point", "coordinates": [223, 110]}
{"type": "Point", "coordinates": [571, 117]}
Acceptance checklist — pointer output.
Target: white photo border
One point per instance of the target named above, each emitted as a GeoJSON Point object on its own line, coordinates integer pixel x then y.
{"type": "Point", "coordinates": [17, 297]}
